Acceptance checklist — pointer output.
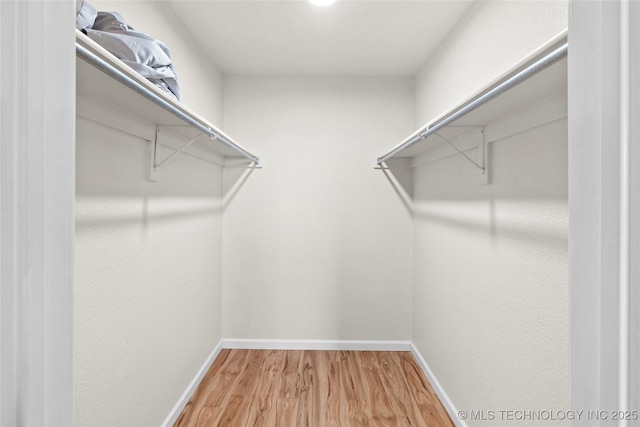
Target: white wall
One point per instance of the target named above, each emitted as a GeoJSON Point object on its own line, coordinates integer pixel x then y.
{"type": "Point", "coordinates": [147, 292]}
{"type": "Point", "coordinates": [317, 245]}
{"type": "Point", "coordinates": [490, 295]}
{"type": "Point", "coordinates": [148, 255]}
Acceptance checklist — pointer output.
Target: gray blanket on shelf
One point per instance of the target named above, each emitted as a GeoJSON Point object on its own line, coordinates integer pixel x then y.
{"type": "Point", "coordinates": [146, 55]}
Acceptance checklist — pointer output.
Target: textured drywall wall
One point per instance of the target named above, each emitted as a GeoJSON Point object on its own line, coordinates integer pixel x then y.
{"type": "Point", "coordinates": [148, 255]}
{"type": "Point", "coordinates": [317, 245]}
{"type": "Point", "coordinates": [490, 291]}
{"type": "Point", "coordinates": [490, 300]}
{"type": "Point", "coordinates": [147, 284]}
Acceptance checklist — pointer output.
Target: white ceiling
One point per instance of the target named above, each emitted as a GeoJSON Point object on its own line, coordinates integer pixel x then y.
{"type": "Point", "coordinates": [296, 38]}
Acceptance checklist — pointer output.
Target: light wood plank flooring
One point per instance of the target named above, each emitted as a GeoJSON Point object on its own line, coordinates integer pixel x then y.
{"type": "Point", "coordinates": [314, 388]}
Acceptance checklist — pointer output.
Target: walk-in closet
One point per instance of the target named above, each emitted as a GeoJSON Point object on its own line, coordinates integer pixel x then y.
{"type": "Point", "coordinates": [315, 212]}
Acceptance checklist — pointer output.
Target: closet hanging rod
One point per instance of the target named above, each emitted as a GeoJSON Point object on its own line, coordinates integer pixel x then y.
{"type": "Point", "coordinates": [118, 75]}
{"type": "Point", "coordinates": [471, 105]}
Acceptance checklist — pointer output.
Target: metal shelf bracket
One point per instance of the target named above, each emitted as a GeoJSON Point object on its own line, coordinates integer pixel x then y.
{"type": "Point", "coordinates": [154, 163]}
{"type": "Point", "coordinates": [483, 158]}
{"type": "Point", "coordinates": [483, 148]}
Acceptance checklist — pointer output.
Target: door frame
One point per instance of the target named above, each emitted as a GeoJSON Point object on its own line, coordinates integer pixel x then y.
{"type": "Point", "coordinates": [37, 183]}
{"type": "Point", "coordinates": [604, 207]}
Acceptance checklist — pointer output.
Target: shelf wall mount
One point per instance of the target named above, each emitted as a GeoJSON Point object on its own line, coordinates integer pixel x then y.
{"type": "Point", "coordinates": [483, 158]}
{"type": "Point", "coordinates": [155, 162]}
{"type": "Point", "coordinates": [482, 164]}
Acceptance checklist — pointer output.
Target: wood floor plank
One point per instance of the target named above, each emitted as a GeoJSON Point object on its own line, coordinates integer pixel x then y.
{"type": "Point", "coordinates": [314, 389]}
{"type": "Point", "coordinates": [231, 416]}
{"type": "Point", "coordinates": [397, 391]}
{"type": "Point", "coordinates": [222, 377]}
{"type": "Point", "coordinates": [382, 411]}
{"type": "Point", "coordinates": [331, 388]}
{"type": "Point", "coordinates": [356, 412]}
{"type": "Point", "coordinates": [351, 377]}
{"type": "Point", "coordinates": [425, 397]}
{"type": "Point", "coordinates": [309, 398]}
{"type": "Point", "coordinates": [209, 386]}
{"type": "Point", "coordinates": [290, 381]}
{"type": "Point", "coordinates": [262, 407]}
{"type": "Point", "coordinates": [205, 417]}
{"type": "Point", "coordinates": [286, 412]}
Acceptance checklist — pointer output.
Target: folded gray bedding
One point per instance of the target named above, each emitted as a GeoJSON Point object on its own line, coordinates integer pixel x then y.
{"type": "Point", "coordinates": [146, 55]}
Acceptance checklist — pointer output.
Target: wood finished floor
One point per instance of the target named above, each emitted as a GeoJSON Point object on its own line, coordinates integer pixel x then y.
{"type": "Point", "coordinates": [315, 389]}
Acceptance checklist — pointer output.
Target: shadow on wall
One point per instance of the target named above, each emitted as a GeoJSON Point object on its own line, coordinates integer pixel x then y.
{"type": "Point", "coordinates": [112, 189]}
{"type": "Point", "coordinates": [519, 220]}
{"type": "Point", "coordinates": [106, 212]}
{"type": "Point", "coordinates": [113, 163]}
{"type": "Point", "coordinates": [399, 174]}
{"type": "Point", "coordinates": [478, 217]}
{"type": "Point", "coordinates": [526, 199]}
{"type": "Point", "coordinates": [235, 176]}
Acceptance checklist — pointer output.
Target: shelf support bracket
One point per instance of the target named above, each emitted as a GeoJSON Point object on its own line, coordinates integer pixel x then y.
{"type": "Point", "coordinates": [152, 170]}
{"type": "Point", "coordinates": [482, 149]}
{"type": "Point", "coordinates": [154, 165]}
{"type": "Point", "coordinates": [484, 157]}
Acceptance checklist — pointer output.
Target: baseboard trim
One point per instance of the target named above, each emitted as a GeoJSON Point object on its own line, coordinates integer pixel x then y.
{"type": "Point", "coordinates": [442, 395]}
{"type": "Point", "coordinates": [184, 399]}
{"type": "Point", "coordinates": [259, 344]}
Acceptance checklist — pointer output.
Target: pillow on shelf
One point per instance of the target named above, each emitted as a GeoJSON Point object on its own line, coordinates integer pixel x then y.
{"type": "Point", "coordinates": [85, 15]}
{"type": "Point", "coordinates": [149, 57]}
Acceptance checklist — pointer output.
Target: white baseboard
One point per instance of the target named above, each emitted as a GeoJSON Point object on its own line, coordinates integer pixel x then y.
{"type": "Point", "coordinates": [317, 345]}
{"type": "Point", "coordinates": [184, 399]}
{"type": "Point", "coordinates": [442, 395]}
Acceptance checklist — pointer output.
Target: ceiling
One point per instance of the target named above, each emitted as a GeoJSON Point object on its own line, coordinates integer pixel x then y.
{"type": "Point", "coordinates": [296, 38]}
